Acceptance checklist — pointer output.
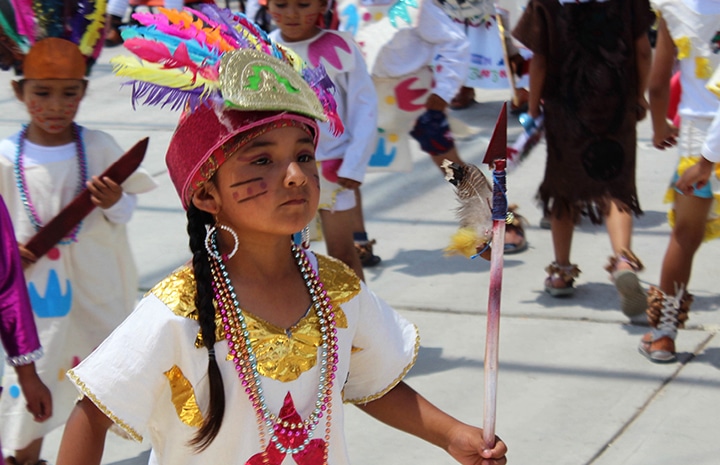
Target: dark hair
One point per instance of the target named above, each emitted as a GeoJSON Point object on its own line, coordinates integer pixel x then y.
{"type": "Point", "coordinates": [197, 230]}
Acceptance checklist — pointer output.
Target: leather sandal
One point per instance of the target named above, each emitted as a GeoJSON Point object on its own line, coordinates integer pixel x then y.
{"type": "Point", "coordinates": [464, 98]}
{"type": "Point", "coordinates": [633, 299]}
{"type": "Point", "coordinates": [566, 274]}
{"type": "Point", "coordinates": [365, 252]}
{"type": "Point", "coordinates": [515, 224]}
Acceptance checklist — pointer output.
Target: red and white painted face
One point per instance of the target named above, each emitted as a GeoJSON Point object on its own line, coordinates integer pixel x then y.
{"type": "Point", "coordinates": [296, 19]}
{"type": "Point", "coordinates": [52, 103]}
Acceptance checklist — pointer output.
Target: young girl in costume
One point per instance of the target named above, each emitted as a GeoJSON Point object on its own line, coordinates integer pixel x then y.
{"type": "Point", "coordinates": [688, 34]}
{"type": "Point", "coordinates": [343, 157]}
{"type": "Point", "coordinates": [84, 286]}
{"type": "Point", "coordinates": [589, 68]}
{"type": "Point", "coordinates": [246, 355]}
{"type": "Point", "coordinates": [18, 333]}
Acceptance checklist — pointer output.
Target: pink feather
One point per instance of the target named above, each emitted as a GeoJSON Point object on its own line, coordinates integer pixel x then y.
{"type": "Point", "coordinates": [24, 16]}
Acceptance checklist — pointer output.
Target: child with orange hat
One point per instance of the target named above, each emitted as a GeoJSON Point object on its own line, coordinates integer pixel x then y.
{"type": "Point", "coordinates": [86, 284]}
{"type": "Point", "coordinates": [246, 354]}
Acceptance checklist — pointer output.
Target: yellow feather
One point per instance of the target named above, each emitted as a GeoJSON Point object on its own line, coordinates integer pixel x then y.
{"type": "Point", "coordinates": [93, 32]}
{"type": "Point", "coordinates": [464, 242]}
{"type": "Point", "coordinates": [155, 74]}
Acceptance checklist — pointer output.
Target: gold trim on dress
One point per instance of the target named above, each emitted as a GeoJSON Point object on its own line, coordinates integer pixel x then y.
{"type": "Point", "coordinates": [183, 397]}
{"type": "Point", "coordinates": [281, 354]}
{"type": "Point", "coordinates": [396, 381]}
{"type": "Point", "coordinates": [87, 393]}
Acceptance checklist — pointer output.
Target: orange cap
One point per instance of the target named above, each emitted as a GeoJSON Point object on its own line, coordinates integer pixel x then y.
{"type": "Point", "coordinates": [54, 58]}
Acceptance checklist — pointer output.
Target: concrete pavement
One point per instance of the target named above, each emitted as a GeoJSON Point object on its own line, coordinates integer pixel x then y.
{"type": "Point", "coordinates": [573, 389]}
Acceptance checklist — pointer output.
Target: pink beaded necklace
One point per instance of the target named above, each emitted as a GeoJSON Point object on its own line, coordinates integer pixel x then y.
{"type": "Point", "coordinates": [240, 347]}
{"type": "Point", "coordinates": [19, 171]}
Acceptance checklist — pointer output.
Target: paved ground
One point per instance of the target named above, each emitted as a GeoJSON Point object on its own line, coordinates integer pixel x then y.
{"type": "Point", "coordinates": [573, 389]}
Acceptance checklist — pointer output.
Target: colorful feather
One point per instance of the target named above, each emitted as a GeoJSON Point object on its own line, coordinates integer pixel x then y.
{"type": "Point", "coordinates": [81, 22]}
{"type": "Point", "coordinates": [24, 18]}
{"type": "Point", "coordinates": [179, 56]}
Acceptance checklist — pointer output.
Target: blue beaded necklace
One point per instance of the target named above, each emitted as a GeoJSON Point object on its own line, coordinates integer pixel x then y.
{"type": "Point", "coordinates": [19, 170]}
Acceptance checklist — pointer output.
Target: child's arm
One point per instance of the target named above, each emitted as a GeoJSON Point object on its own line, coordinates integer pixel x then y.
{"type": "Point", "coordinates": [37, 395]}
{"type": "Point", "coordinates": [697, 176]}
{"type": "Point", "coordinates": [664, 133]}
{"type": "Point", "coordinates": [408, 411]}
{"type": "Point", "coordinates": [643, 57]}
{"type": "Point", "coordinates": [84, 438]}
{"type": "Point", "coordinates": [538, 71]}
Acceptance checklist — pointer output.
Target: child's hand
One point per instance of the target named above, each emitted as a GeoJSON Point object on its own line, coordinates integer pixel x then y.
{"type": "Point", "coordinates": [27, 257]}
{"type": "Point", "coordinates": [37, 395]}
{"type": "Point", "coordinates": [104, 192]}
{"type": "Point", "coordinates": [468, 447]}
{"type": "Point", "coordinates": [696, 176]}
{"type": "Point", "coordinates": [348, 183]}
{"type": "Point", "coordinates": [665, 137]}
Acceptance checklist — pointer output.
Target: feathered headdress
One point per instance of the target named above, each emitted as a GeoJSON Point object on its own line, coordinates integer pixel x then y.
{"type": "Point", "coordinates": [190, 58]}
{"type": "Point", "coordinates": [25, 22]}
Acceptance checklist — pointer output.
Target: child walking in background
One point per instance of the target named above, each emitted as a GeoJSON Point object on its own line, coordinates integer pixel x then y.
{"type": "Point", "coordinates": [87, 284]}
{"type": "Point", "coordinates": [17, 327]}
{"type": "Point", "coordinates": [589, 68]}
{"type": "Point", "coordinates": [688, 36]}
{"type": "Point", "coordinates": [247, 355]}
{"type": "Point", "coordinates": [343, 158]}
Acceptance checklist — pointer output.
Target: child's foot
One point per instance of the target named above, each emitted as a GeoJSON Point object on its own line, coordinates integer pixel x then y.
{"type": "Point", "coordinates": [515, 241]}
{"type": "Point", "coordinates": [561, 279]}
{"type": "Point", "coordinates": [661, 350]}
{"type": "Point", "coordinates": [623, 269]}
{"type": "Point", "coordinates": [365, 253]}
{"type": "Point", "coordinates": [464, 98]}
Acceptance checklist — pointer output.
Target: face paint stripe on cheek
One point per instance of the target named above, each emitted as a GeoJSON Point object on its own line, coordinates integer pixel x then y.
{"type": "Point", "coordinates": [250, 191]}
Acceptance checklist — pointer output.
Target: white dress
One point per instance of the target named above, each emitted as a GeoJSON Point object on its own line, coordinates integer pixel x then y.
{"type": "Point", "coordinates": [412, 49]}
{"type": "Point", "coordinates": [150, 377]}
{"type": "Point", "coordinates": [79, 291]}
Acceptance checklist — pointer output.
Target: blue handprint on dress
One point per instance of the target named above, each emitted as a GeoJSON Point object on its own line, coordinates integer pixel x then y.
{"type": "Point", "coordinates": [54, 303]}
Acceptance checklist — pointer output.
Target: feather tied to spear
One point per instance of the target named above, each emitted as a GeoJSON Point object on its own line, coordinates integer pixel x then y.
{"type": "Point", "coordinates": [474, 214]}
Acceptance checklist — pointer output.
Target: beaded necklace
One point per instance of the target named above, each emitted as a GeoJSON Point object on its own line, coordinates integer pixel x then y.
{"type": "Point", "coordinates": [19, 171]}
{"type": "Point", "coordinates": [240, 347]}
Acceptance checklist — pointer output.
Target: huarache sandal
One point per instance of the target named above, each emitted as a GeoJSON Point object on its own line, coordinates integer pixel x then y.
{"type": "Point", "coordinates": [561, 279]}
{"type": "Point", "coordinates": [464, 98]}
{"type": "Point", "coordinates": [633, 299]}
{"type": "Point", "coordinates": [514, 228]}
{"type": "Point", "coordinates": [365, 252]}
{"type": "Point", "coordinates": [665, 315]}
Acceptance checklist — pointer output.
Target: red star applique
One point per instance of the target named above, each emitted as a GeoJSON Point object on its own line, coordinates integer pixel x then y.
{"type": "Point", "coordinates": [312, 454]}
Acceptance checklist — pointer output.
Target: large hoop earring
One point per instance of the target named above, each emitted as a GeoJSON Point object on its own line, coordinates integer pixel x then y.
{"type": "Point", "coordinates": [211, 245]}
{"type": "Point", "coordinates": [305, 237]}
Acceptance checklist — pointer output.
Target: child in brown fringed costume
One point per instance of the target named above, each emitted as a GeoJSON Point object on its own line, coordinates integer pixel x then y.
{"type": "Point", "coordinates": [590, 65]}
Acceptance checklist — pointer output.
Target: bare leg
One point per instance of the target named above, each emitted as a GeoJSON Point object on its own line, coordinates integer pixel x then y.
{"type": "Point", "coordinates": [619, 226]}
{"type": "Point", "coordinates": [451, 155]}
{"type": "Point", "coordinates": [358, 219]}
{"type": "Point", "coordinates": [338, 234]}
{"type": "Point", "coordinates": [31, 453]}
{"type": "Point", "coordinates": [685, 239]}
{"type": "Point", "coordinates": [562, 235]}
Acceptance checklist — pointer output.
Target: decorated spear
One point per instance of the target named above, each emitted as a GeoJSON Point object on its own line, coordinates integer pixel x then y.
{"type": "Point", "coordinates": [483, 213]}
{"type": "Point", "coordinates": [495, 158]}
